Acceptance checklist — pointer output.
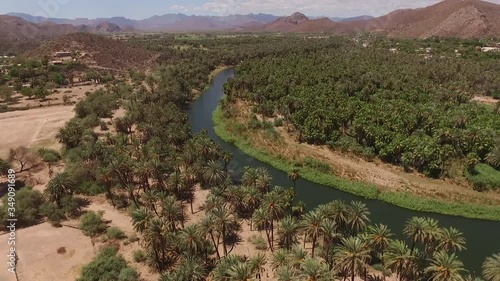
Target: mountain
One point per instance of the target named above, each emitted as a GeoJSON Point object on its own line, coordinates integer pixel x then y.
{"type": "Point", "coordinates": [98, 51]}
{"type": "Point", "coordinates": [167, 22]}
{"type": "Point", "coordinates": [449, 18]}
{"type": "Point", "coordinates": [297, 22]}
{"type": "Point", "coordinates": [17, 34]}
{"type": "Point", "coordinates": [107, 27]}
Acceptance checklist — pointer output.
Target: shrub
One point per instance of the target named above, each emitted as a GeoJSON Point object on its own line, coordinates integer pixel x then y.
{"type": "Point", "coordinates": [4, 167]}
{"type": "Point", "coordinates": [278, 122]}
{"type": "Point", "coordinates": [259, 242]}
{"type": "Point", "coordinates": [49, 156]}
{"type": "Point", "coordinates": [139, 256]}
{"type": "Point", "coordinates": [28, 208]}
{"type": "Point", "coordinates": [115, 233]}
{"type": "Point", "coordinates": [108, 265]}
{"type": "Point", "coordinates": [92, 224]}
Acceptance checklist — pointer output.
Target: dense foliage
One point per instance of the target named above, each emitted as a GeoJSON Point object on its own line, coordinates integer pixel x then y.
{"type": "Point", "coordinates": [407, 109]}
{"type": "Point", "coordinates": [108, 266]}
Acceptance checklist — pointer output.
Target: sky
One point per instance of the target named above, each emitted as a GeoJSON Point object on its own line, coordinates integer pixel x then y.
{"type": "Point", "coordinates": [141, 9]}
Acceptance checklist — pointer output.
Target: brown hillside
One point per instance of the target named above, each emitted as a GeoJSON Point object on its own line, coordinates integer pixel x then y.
{"type": "Point", "coordinates": [100, 51]}
{"type": "Point", "coordinates": [449, 18]}
{"type": "Point", "coordinates": [17, 34]}
{"type": "Point", "coordinates": [295, 23]}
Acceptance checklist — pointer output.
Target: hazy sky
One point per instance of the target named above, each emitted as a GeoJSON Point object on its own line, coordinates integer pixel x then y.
{"type": "Point", "coordinates": [140, 9]}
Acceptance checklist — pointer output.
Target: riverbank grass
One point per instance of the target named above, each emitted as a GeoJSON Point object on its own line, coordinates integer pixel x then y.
{"type": "Point", "coordinates": [366, 190]}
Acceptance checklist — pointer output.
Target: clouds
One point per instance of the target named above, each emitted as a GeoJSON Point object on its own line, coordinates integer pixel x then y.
{"type": "Point", "coordinates": [314, 7]}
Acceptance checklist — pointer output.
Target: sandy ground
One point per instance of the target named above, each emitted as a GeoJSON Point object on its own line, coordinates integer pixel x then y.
{"type": "Point", "coordinates": [32, 128]}
{"type": "Point", "coordinates": [38, 258]}
{"type": "Point", "coordinates": [485, 99]}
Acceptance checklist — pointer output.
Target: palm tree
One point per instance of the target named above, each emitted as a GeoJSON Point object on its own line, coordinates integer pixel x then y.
{"type": "Point", "coordinates": [59, 186]}
{"type": "Point", "coordinates": [193, 239]}
{"type": "Point", "coordinates": [285, 273]}
{"type": "Point", "coordinates": [314, 270]}
{"type": "Point", "coordinates": [281, 258]}
{"type": "Point", "coordinates": [432, 234]}
{"type": "Point", "coordinates": [415, 230]}
{"type": "Point", "coordinates": [141, 219]}
{"type": "Point", "coordinates": [379, 238]}
{"type": "Point", "coordinates": [226, 157]}
{"type": "Point", "coordinates": [294, 176]}
{"type": "Point", "coordinates": [358, 216]}
{"type": "Point", "coordinates": [491, 268]}
{"type": "Point", "coordinates": [209, 229]}
{"type": "Point", "coordinates": [189, 269]}
{"type": "Point", "coordinates": [275, 206]}
{"type": "Point", "coordinates": [261, 221]}
{"type": "Point", "coordinates": [258, 263]}
{"type": "Point", "coordinates": [446, 267]}
{"type": "Point", "coordinates": [311, 226]}
{"type": "Point", "coordinates": [240, 272]}
{"type": "Point", "coordinates": [249, 177]}
{"type": "Point", "coordinates": [213, 173]}
{"type": "Point", "coordinates": [398, 258]}
{"type": "Point", "coordinates": [222, 220]}
{"type": "Point", "coordinates": [451, 239]}
{"type": "Point", "coordinates": [353, 254]}
{"type": "Point", "coordinates": [288, 231]}
{"type": "Point", "coordinates": [156, 240]}
{"type": "Point", "coordinates": [173, 212]}
{"type": "Point", "coordinates": [263, 180]}
{"type": "Point", "coordinates": [330, 233]}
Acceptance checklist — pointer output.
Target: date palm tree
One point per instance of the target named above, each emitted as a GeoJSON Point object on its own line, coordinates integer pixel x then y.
{"type": "Point", "coordinates": [226, 157]}
{"type": "Point", "coordinates": [193, 240]}
{"type": "Point", "coordinates": [451, 240]}
{"type": "Point", "coordinates": [258, 263]}
{"type": "Point", "coordinates": [263, 180]}
{"type": "Point", "coordinates": [398, 258]}
{"type": "Point", "coordinates": [261, 221]}
{"type": "Point", "coordinates": [249, 177]}
{"type": "Point", "coordinates": [223, 219]}
{"type": "Point", "coordinates": [358, 218]}
{"type": "Point", "coordinates": [311, 225]}
{"type": "Point", "coordinates": [288, 231]}
{"type": "Point", "coordinates": [379, 236]}
{"type": "Point", "coordinates": [213, 173]}
{"type": "Point", "coordinates": [446, 267]}
{"type": "Point", "coordinates": [314, 270]}
{"type": "Point", "coordinates": [330, 232]}
{"type": "Point", "coordinates": [294, 175]}
{"type": "Point", "coordinates": [415, 229]}
{"type": "Point", "coordinates": [59, 186]}
{"type": "Point", "coordinates": [275, 206]}
{"type": "Point", "coordinates": [491, 268]}
{"type": "Point", "coordinates": [353, 255]}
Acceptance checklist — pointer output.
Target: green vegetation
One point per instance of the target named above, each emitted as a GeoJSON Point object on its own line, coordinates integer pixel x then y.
{"type": "Point", "coordinates": [28, 204]}
{"type": "Point", "coordinates": [92, 224]}
{"type": "Point", "coordinates": [115, 233]}
{"type": "Point", "coordinates": [403, 108]}
{"type": "Point", "coordinates": [108, 266]}
{"type": "Point", "coordinates": [484, 177]}
{"type": "Point", "coordinates": [222, 129]}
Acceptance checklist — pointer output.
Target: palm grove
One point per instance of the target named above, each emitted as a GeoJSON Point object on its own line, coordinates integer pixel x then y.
{"type": "Point", "coordinates": [153, 165]}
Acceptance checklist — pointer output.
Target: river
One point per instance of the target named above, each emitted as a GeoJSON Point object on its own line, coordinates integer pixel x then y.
{"type": "Point", "coordinates": [483, 237]}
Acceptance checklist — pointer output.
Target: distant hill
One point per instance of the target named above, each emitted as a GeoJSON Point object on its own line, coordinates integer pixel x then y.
{"type": "Point", "coordinates": [167, 22]}
{"type": "Point", "coordinates": [98, 51]}
{"type": "Point", "coordinates": [108, 27]}
{"type": "Point", "coordinates": [297, 22]}
{"type": "Point", "coordinates": [449, 18]}
{"type": "Point", "coordinates": [17, 34]}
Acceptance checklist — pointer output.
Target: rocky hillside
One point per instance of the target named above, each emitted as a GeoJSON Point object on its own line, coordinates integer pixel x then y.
{"type": "Point", "coordinates": [297, 22]}
{"type": "Point", "coordinates": [98, 51]}
{"type": "Point", "coordinates": [449, 18]}
{"type": "Point", "coordinates": [17, 34]}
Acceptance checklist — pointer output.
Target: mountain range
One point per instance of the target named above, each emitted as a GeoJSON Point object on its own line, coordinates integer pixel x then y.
{"type": "Point", "coordinates": [170, 22]}
{"type": "Point", "coordinates": [449, 18]}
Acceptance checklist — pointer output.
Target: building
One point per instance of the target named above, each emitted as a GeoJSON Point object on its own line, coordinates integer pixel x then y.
{"type": "Point", "coordinates": [62, 54]}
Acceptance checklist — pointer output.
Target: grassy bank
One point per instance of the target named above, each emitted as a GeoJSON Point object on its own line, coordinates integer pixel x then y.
{"type": "Point", "coordinates": [366, 190]}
